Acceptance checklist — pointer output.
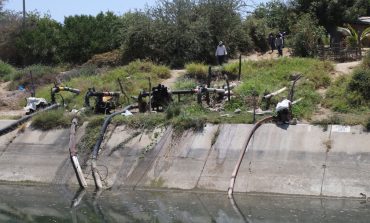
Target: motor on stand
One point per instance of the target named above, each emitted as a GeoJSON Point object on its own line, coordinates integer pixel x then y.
{"type": "Point", "coordinates": [104, 101]}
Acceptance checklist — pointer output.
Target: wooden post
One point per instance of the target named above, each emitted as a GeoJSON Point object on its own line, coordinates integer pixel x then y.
{"type": "Point", "coordinates": [209, 78]}
{"type": "Point", "coordinates": [199, 95]}
{"type": "Point", "coordinates": [240, 67]}
{"type": "Point", "coordinates": [254, 105]}
{"type": "Point", "coordinates": [33, 93]}
{"type": "Point", "coordinates": [123, 92]}
{"type": "Point", "coordinates": [150, 95]}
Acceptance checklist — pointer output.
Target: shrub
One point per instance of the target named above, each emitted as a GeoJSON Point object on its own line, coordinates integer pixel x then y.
{"type": "Point", "coordinates": [196, 70]}
{"type": "Point", "coordinates": [6, 71]}
{"type": "Point", "coordinates": [360, 83]}
{"type": "Point", "coordinates": [173, 110]}
{"type": "Point", "coordinates": [366, 61]}
{"type": "Point", "coordinates": [184, 122]}
{"type": "Point", "coordinates": [305, 35]}
{"type": "Point", "coordinates": [41, 75]}
{"type": "Point", "coordinates": [88, 141]}
{"type": "Point", "coordinates": [140, 121]}
{"type": "Point", "coordinates": [51, 120]}
{"type": "Point", "coordinates": [258, 30]}
{"type": "Point", "coordinates": [161, 71]}
{"type": "Point", "coordinates": [112, 58]}
{"type": "Point", "coordinates": [367, 125]}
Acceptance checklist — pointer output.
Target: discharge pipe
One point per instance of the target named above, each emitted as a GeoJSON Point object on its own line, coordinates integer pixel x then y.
{"type": "Point", "coordinates": [73, 154]}
{"type": "Point", "coordinates": [56, 89]}
{"type": "Point", "coordinates": [25, 118]}
{"type": "Point", "coordinates": [245, 146]}
{"type": "Point", "coordinates": [95, 152]}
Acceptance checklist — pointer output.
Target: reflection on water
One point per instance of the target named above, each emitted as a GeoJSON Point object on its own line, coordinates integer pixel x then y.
{"type": "Point", "coordinates": [46, 204]}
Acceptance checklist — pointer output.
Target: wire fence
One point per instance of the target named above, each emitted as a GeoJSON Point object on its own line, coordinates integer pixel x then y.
{"type": "Point", "coordinates": [337, 52]}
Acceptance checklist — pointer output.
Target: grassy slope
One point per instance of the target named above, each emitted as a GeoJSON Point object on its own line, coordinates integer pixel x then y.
{"type": "Point", "coordinates": [271, 75]}
{"type": "Point", "coordinates": [267, 75]}
{"type": "Point", "coordinates": [134, 77]}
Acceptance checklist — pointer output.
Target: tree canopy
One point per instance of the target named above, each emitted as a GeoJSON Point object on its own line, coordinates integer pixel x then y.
{"type": "Point", "coordinates": [172, 32]}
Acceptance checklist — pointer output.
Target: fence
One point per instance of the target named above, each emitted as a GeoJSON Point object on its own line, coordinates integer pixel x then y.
{"type": "Point", "coordinates": [338, 53]}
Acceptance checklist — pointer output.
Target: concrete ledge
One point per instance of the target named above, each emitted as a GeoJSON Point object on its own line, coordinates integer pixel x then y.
{"type": "Point", "coordinates": [298, 160]}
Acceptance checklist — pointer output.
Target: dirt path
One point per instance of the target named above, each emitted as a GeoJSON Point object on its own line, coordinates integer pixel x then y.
{"type": "Point", "coordinates": [175, 74]}
{"type": "Point", "coordinates": [345, 68]}
{"type": "Point", "coordinates": [263, 56]}
{"type": "Point", "coordinates": [340, 69]}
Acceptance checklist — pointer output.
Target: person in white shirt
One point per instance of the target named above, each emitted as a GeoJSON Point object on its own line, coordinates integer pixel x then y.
{"type": "Point", "coordinates": [221, 53]}
{"type": "Point", "coordinates": [283, 110]}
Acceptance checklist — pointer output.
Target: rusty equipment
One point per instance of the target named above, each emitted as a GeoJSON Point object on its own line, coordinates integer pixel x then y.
{"type": "Point", "coordinates": [56, 89]}
{"type": "Point", "coordinates": [104, 101]}
{"type": "Point", "coordinates": [161, 96]}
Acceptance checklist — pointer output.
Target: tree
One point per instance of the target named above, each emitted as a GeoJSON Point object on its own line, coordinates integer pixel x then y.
{"type": "Point", "coordinates": [136, 37]}
{"type": "Point", "coordinates": [277, 15]}
{"type": "Point", "coordinates": [331, 14]}
{"type": "Point", "coordinates": [40, 41]}
{"type": "Point", "coordinates": [1, 5]}
{"type": "Point", "coordinates": [86, 35]}
{"type": "Point", "coordinates": [10, 27]}
{"type": "Point", "coordinates": [306, 34]}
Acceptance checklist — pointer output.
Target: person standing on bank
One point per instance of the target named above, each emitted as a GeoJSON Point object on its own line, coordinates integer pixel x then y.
{"type": "Point", "coordinates": [221, 53]}
{"type": "Point", "coordinates": [279, 44]}
{"type": "Point", "coordinates": [271, 40]}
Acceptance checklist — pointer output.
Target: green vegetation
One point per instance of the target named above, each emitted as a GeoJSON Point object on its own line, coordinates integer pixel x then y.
{"type": "Point", "coordinates": [271, 75]}
{"type": "Point", "coordinates": [41, 75]}
{"type": "Point", "coordinates": [351, 93]}
{"type": "Point", "coordinates": [197, 71]}
{"type": "Point", "coordinates": [51, 120]}
{"type": "Point", "coordinates": [182, 117]}
{"type": "Point", "coordinates": [6, 71]}
{"type": "Point", "coordinates": [174, 33]}
{"type": "Point", "coordinates": [134, 77]}
{"type": "Point", "coordinates": [304, 41]}
{"type": "Point", "coordinates": [88, 141]}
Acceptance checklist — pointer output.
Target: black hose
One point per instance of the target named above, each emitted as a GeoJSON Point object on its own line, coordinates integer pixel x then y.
{"type": "Point", "coordinates": [15, 124]}
{"type": "Point", "coordinates": [104, 128]}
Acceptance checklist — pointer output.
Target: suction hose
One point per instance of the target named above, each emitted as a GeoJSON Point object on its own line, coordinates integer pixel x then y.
{"type": "Point", "coordinates": [245, 146]}
{"type": "Point", "coordinates": [95, 152]}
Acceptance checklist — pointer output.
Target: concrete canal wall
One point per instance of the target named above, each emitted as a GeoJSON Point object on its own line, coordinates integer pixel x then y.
{"type": "Point", "coordinates": [301, 159]}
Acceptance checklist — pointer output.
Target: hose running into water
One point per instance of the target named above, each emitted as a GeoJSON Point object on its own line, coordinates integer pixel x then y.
{"type": "Point", "coordinates": [95, 152]}
{"type": "Point", "coordinates": [245, 146]}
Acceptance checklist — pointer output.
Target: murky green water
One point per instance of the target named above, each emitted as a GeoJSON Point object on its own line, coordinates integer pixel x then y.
{"type": "Point", "coordinates": [45, 204]}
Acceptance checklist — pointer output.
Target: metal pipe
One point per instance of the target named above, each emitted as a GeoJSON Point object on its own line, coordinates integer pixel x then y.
{"type": "Point", "coordinates": [245, 146]}
{"type": "Point", "coordinates": [15, 124]}
{"type": "Point", "coordinates": [95, 152]}
{"type": "Point", "coordinates": [55, 90]}
{"type": "Point", "coordinates": [274, 93]}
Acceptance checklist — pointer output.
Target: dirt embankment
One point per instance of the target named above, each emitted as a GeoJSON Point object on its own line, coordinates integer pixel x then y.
{"type": "Point", "coordinates": [9, 101]}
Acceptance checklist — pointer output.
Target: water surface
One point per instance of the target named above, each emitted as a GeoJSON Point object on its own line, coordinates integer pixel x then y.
{"type": "Point", "coordinates": [62, 204]}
